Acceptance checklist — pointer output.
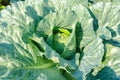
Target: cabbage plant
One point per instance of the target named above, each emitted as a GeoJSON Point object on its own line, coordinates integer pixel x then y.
{"type": "Point", "coordinates": [60, 40]}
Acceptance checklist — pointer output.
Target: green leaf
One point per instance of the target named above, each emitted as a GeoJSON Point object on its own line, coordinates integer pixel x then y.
{"type": "Point", "coordinates": [70, 49]}
{"type": "Point", "coordinates": [3, 70]}
{"type": "Point", "coordinates": [90, 76]}
{"type": "Point", "coordinates": [106, 74]}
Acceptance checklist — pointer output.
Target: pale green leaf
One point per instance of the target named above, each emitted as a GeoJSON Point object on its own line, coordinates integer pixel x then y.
{"type": "Point", "coordinates": [21, 64]}
{"type": "Point", "coordinates": [65, 4]}
{"type": "Point", "coordinates": [112, 58]}
{"type": "Point", "coordinates": [85, 25]}
{"type": "Point", "coordinates": [108, 16]}
{"type": "Point", "coordinates": [92, 56]}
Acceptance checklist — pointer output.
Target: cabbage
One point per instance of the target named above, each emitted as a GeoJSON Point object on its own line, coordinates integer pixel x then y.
{"type": "Point", "coordinates": [59, 40]}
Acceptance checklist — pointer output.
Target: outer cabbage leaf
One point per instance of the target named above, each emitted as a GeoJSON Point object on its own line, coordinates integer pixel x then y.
{"type": "Point", "coordinates": [108, 16]}
{"type": "Point", "coordinates": [92, 56]}
{"type": "Point", "coordinates": [85, 33]}
{"type": "Point", "coordinates": [26, 12]}
{"type": "Point", "coordinates": [112, 58]}
{"type": "Point", "coordinates": [22, 18]}
{"type": "Point", "coordinates": [65, 4]}
{"type": "Point", "coordinates": [25, 59]}
{"type": "Point", "coordinates": [110, 67]}
{"type": "Point", "coordinates": [19, 63]}
{"type": "Point", "coordinates": [17, 22]}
